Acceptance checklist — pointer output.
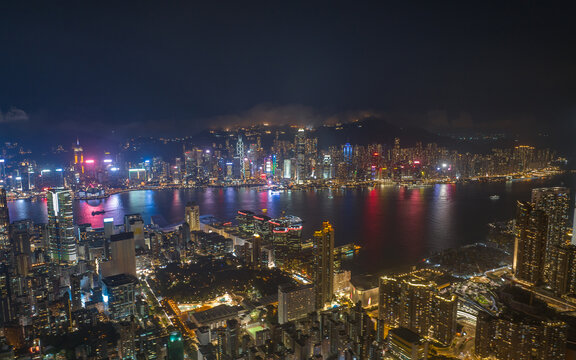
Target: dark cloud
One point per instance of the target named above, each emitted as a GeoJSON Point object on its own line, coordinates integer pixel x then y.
{"type": "Point", "coordinates": [179, 67]}
{"type": "Point", "coordinates": [14, 115]}
{"type": "Point", "coordinates": [288, 115]}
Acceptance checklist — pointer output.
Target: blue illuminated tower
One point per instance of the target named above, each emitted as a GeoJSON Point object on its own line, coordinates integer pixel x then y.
{"type": "Point", "coordinates": [348, 153]}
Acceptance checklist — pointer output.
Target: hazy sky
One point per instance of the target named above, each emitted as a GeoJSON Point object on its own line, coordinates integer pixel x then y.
{"type": "Point", "coordinates": [164, 66]}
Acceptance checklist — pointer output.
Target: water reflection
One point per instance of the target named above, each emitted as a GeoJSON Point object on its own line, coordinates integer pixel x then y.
{"type": "Point", "coordinates": [394, 225]}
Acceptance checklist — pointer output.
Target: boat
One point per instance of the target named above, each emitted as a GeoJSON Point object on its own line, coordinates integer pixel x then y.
{"type": "Point", "coordinates": [494, 197]}
{"type": "Point", "coordinates": [99, 212]}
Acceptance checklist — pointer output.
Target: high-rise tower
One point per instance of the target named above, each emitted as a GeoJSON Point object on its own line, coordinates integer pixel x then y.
{"type": "Point", "coordinates": [324, 264]}
{"type": "Point", "coordinates": [554, 202]}
{"type": "Point", "coordinates": [300, 156]}
{"type": "Point", "coordinates": [573, 240]}
{"type": "Point", "coordinates": [61, 240]}
{"type": "Point", "coordinates": [240, 155]}
{"type": "Point", "coordinates": [530, 233]}
{"type": "Point", "coordinates": [78, 157]}
{"type": "Point", "coordinates": [4, 221]}
{"type": "Point", "coordinates": [192, 216]}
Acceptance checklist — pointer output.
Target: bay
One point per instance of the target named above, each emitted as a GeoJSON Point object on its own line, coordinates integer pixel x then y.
{"type": "Point", "coordinates": [395, 226]}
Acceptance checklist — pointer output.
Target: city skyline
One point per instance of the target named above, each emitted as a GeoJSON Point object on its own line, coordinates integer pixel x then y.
{"type": "Point", "coordinates": [287, 180]}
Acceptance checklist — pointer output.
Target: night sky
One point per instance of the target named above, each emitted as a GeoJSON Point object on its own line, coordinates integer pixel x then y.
{"type": "Point", "coordinates": [154, 67]}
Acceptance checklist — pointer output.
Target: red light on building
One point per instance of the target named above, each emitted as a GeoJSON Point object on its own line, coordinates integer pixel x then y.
{"type": "Point", "coordinates": [416, 161]}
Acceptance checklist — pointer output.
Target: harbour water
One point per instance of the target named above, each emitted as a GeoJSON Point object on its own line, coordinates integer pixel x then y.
{"type": "Point", "coordinates": [394, 225]}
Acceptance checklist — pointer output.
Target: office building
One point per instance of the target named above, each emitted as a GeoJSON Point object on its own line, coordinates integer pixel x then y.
{"type": "Point", "coordinates": [108, 228]}
{"type": "Point", "coordinates": [135, 224]}
{"type": "Point", "coordinates": [61, 240]}
{"type": "Point", "coordinates": [175, 346]}
{"type": "Point", "coordinates": [232, 338]}
{"type": "Point", "coordinates": [6, 308]}
{"type": "Point", "coordinates": [192, 216]}
{"type": "Point", "coordinates": [364, 289]}
{"type": "Point", "coordinates": [78, 158]}
{"type": "Point", "coordinates": [407, 345]}
{"type": "Point", "coordinates": [295, 302]}
{"type": "Point", "coordinates": [118, 295]}
{"type": "Point", "coordinates": [122, 257]}
{"type": "Point", "coordinates": [324, 264]}
{"type": "Point", "coordinates": [4, 221]}
{"type": "Point", "coordinates": [75, 292]}
{"type": "Point", "coordinates": [301, 168]}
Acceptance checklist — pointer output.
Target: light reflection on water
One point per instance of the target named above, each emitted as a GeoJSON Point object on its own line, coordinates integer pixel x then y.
{"type": "Point", "coordinates": [394, 225]}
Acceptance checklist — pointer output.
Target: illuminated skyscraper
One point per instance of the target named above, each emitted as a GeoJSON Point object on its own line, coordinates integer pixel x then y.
{"type": "Point", "coordinates": [175, 346]}
{"type": "Point", "coordinates": [287, 172]}
{"type": "Point", "coordinates": [78, 157]}
{"type": "Point", "coordinates": [573, 240]}
{"type": "Point", "coordinates": [389, 301]}
{"type": "Point", "coordinates": [118, 295]}
{"type": "Point", "coordinates": [515, 335]}
{"type": "Point", "coordinates": [135, 224]}
{"type": "Point", "coordinates": [301, 172]}
{"type": "Point", "coordinates": [555, 203]}
{"type": "Point", "coordinates": [192, 216]}
{"type": "Point", "coordinates": [347, 152]}
{"type": "Point", "coordinates": [21, 250]}
{"type": "Point", "coordinates": [61, 240]}
{"type": "Point", "coordinates": [4, 221]}
{"type": "Point", "coordinates": [6, 310]}
{"type": "Point", "coordinates": [416, 304]}
{"type": "Point", "coordinates": [2, 170]}
{"type": "Point", "coordinates": [295, 302]}
{"type": "Point", "coordinates": [443, 317]}
{"type": "Point", "coordinates": [566, 272]}
{"type": "Point", "coordinates": [324, 264]}
{"type": "Point", "coordinates": [75, 291]}
{"type": "Point", "coordinates": [240, 155]}
{"type": "Point", "coordinates": [530, 244]}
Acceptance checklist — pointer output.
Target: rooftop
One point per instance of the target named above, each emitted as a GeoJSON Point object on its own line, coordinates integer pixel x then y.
{"type": "Point", "coordinates": [119, 280]}
{"type": "Point", "coordinates": [216, 313]}
{"type": "Point", "coordinates": [406, 334]}
{"type": "Point", "coordinates": [122, 236]}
